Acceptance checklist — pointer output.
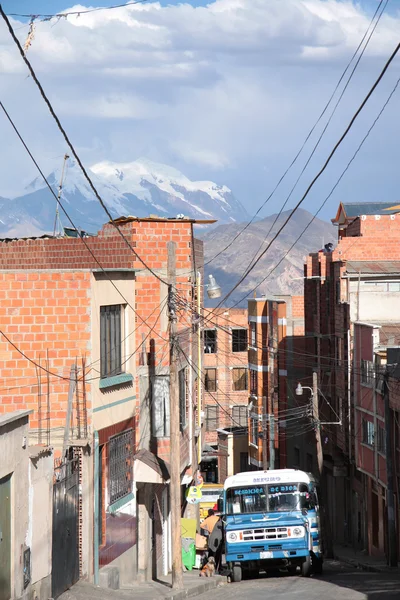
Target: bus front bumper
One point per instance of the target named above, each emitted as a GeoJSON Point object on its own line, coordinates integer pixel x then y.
{"type": "Point", "coordinates": [268, 555]}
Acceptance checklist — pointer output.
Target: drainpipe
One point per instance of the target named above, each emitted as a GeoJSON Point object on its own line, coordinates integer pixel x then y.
{"type": "Point", "coordinates": [199, 369]}
{"type": "Point", "coordinates": [96, 509]}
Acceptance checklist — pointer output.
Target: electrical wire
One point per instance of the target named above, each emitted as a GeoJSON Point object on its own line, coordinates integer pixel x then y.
{"type": "Point", "coordinates": [319, 173]}
{"type": "Point", "coordinates": [71, 147]}
{"type": "Point", "coordinates": [78, 13]}
{"type": "Point", "coordinates": [308, 135]}
{"type": "Point", "coordinates": [321, 135]}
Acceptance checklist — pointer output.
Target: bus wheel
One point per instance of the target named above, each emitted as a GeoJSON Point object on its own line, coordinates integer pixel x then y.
{"type": "Point", "coordinates": [236, 574]}
{"type": "Point", "coordinates": [306, 567]}
{"type": "Point", "coordinates": [317, 564]}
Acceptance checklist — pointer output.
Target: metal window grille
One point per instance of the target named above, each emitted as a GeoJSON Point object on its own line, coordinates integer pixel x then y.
{"type": "Point", "coordinates": [120, 465]}
{"type": "Point", "coordinates": [239, 416]}
{"type": "Point", "coordinates": [27, 567]}
{"type": "Point", "coordinates": [368, 432]}
{"type": "Point", "coordinates": [160, 406]}
{"type": "Point", "coordinates": [211, 418]}
{"type": "Point", "coordinates": [253, 334]}
{"type": "Point", "coordinates": [110, 340]}
{"type": "Point", "coordinates": [381, 440]}
{"type": "Point", "coordinates": [210, 341]}
{"type": "Point", "coordinates": [239, 340]}
{"type": "Point", "coordinates": [210, 380]}
{"type": "Point", "coordinates": [367, 372]}
{"type": "Point", "coordinates": [254, 431]}
{"type": "Point", "coordinates": [253, 382]}
{"type": "Point", "coordinates": [182, 398]}
{"type": "Point", "coordinates": [239, 377]}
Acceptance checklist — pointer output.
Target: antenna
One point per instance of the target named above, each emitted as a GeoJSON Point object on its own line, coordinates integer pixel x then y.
{"type": "Point", "coordinates": [57, 221]}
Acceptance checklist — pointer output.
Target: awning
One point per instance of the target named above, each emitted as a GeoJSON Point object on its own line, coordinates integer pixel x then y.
{"type": "Point", "coordinates": [149, 468]}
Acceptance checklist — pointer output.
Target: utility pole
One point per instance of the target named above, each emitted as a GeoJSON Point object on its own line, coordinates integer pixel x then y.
{"type": "Point", "coordinates": [323, 500]}
{"type": "Point", "coordinates": [175, 440]}
{"type": "Point", "coordinates": [390, 504]}
{"type": "Point", "coordinates": [271, 441]}
{"type": "Point", "coordinates": [264, 424]}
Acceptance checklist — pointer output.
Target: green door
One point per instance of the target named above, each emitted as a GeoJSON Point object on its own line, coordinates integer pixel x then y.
{"type": "Point", "coordinates": [5, 538]}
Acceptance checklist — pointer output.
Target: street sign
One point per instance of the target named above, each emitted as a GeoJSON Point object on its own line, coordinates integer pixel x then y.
{"type": "Point", "coordinates": [194, 495]}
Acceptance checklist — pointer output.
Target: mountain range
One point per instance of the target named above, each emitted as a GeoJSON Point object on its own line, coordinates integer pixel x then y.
{"type": "Point", "coordinates": [281, 266]}
{"type": "Point", "coordinates": [139, 188]}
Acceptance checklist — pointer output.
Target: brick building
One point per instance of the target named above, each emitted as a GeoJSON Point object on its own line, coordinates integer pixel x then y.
{"type": "Point", "coordinates": [356, 282]}
{"type": "Point", "coordinates": [276, 338]}
{"type": "Point", "coordinates": [225, 383]}
{"type": "Point", "coordinates": [84, 319]}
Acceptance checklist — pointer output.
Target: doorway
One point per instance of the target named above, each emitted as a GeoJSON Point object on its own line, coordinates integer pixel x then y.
{"type": "Point", "coordinates": [5, 538]}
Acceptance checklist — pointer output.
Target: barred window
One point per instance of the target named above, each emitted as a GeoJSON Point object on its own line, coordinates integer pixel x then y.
{"type": "Point", "coordinates": [239, 416]}
{"type": "Point", "coordinates": [210, 380]}
{"type": "Point", "coordinates": [239, 379]}
{"type": "Point", "coordinates": [210, 341]}
{"type": "Point", "coordinates": [211, 418]}
{"type": "Point", "coordinates": [253, 334]}
{"type": "Point", "coordinates": [110, 340]}
{"type": "Point", "coordinates": [239, 340]}
{"type": "Point", "coordinates": [253, 382]}
{"type": "Point", "coordinates": [368, 432]}
{"type": "Point", "coordinates": [367, 372]}
{"type": "Point", "coordinates": [381, 439]}
{"type": "Point", "coordinates": [120, 461]}
{"type": "Point", "coordinates": [160, 406]}
{"type": "Point", "coordinates": [254, 431]}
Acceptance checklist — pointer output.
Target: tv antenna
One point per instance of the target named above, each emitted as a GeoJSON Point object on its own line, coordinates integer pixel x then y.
{"type": "Point", "coordinates": [58, 228]}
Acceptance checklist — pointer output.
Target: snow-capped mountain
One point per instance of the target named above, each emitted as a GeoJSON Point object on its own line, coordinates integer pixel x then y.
{"type": "Point", "coordinates": [138, 188]}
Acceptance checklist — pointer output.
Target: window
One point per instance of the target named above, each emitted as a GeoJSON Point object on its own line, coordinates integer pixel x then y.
{"type": "Point", "coordinates": [309, 462]}
{"type": "Point", "coordinates": [182, 398]}
{"type": "Point", "coordinates": [239, 340]}
{"type": "Point", "coordinates": [210, 380]}
{"type": "Point", "coordinates": [367, 372]}
{"type": "Point", "coordinates": [254, 431]}
{"type": "Point", "coordinates": [381, 439]}
{"type": "Point", "coordinates": [160, 405]}
{"type": "Point", "coordinates": [253, 334]}
{"type": "Point", "coordinates": [210, 341]}
{"type": "Point", "coordinates": [110, 340]}
{"type": "Point", "coordinates": [120, 465]}
{"type": "Point", "coordinates": [239, 416]}
{"type": "Point", "coordinates": [239, 379]}
{"type": "Point", "coordinates": [368, 432]}
{"type": "Point", "coordinates": [211, 418]}
{"type": "Point", "coordinates": [253, 382]}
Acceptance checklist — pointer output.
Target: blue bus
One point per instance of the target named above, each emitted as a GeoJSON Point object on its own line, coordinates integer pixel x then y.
{"type": "Point", "coordinates": [271, 521]}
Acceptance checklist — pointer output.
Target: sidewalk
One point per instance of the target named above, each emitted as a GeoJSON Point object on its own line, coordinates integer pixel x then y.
{"type": "Point", "coordinates": [361, 560]}
{"type": "Point", "coordinates": [154, 590]}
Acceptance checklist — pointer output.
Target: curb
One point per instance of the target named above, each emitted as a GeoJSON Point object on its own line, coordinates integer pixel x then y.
{"type": "Point", "coordinates": [197, 590]}
{"type": "Point", "coordinates": [353, 562]}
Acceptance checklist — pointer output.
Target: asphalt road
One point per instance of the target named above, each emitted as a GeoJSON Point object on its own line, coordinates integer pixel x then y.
{"type": "Point", "coordinates": [337, 583]}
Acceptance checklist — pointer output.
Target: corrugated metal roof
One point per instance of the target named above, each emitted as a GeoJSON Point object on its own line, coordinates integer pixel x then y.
{"type": "Point", "coordinates": [389, 335]}
{"type": "Point", "coordinates": [356, 209]}
{"type": "Point", "coordinates": [378, 267]}
{"type": "Point", "coordinates": [129, 219]}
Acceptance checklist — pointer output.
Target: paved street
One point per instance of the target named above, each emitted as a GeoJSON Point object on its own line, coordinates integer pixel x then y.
{"type": "Point", "coordinates": [338, 582]}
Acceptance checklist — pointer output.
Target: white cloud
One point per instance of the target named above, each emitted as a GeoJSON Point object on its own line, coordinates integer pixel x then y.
{"type": "Point", "coordinates": [227, 90]}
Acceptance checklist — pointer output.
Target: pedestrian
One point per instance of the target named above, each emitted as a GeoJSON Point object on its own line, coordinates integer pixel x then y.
{"type": "Point", "coordinates": [208, 524]}
{"type": "Point", "coordinates": [215, 543]}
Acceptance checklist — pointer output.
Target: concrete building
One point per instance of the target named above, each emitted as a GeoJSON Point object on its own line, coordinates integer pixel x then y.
{"type": "Point", "coordinates": [225, 386]}
{"type": "Point", "coordinates": [87, 351]}
{"type": "Point", "coordinates": [26, 482]}
{"type": "Point", "coordinates": [356, 282]}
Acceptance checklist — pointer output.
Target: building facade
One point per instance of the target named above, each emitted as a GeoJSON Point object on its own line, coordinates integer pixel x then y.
{"type": "Point", "coordinates": [86, 348]}
{"type": "Point", "coordinates": [356, 282]}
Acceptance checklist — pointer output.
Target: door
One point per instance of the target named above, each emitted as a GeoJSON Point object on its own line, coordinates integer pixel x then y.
{"type": "Point", "coordinates": [65, 551]}
{"type": "Point", "coordinates": [5, 538]}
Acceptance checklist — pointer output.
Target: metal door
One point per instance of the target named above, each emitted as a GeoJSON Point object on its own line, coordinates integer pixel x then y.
{"type": "Point", "coordinates": [65, 547]}
{"type": "Point", "coordinates": [5, 538]}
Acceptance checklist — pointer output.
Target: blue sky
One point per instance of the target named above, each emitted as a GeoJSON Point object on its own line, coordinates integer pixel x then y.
{"type": "Point", "coordinates": [226, 92]}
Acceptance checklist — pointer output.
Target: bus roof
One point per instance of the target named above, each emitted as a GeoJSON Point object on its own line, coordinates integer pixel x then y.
{"type": "Point", "coordinates": [272, 476]}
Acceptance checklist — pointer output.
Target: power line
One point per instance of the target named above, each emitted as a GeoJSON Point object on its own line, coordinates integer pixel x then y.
{"type": "Point", "coordinates": [63, 132]}
{"type": "Point", "coordinates": [318, 175]}
{"type": "Point", "coordinates": [78, 13]}
{"type": "Point", "coordinates": [308, 135]}
{"type": "Point", "coordinates": [322, 133]}
{"type": "Point", "coordinates": [326, 199]}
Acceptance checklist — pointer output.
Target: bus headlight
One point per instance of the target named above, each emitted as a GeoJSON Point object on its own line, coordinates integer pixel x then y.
{"type": "Point", "coordinates": [298, 532]}
{"type": "Point", "coordinates": [232, 537]}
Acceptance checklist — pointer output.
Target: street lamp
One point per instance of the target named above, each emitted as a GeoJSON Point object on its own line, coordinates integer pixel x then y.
{"type": "Point", "coordinates": [300, 388]}
{"type": "Point", "coordinates": [213, 289]}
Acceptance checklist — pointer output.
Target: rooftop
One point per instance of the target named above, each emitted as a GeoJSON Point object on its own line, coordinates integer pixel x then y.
{"type": "Point", "coordinates": [351, 210]}
{"type": "Point", "coordinates": [378, 267]}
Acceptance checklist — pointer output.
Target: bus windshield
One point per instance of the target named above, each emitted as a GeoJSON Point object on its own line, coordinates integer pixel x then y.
{"type": "Point", "coordinates": [270, 498]}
